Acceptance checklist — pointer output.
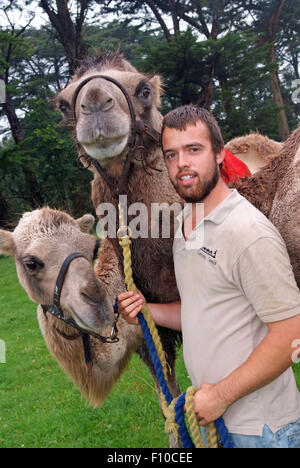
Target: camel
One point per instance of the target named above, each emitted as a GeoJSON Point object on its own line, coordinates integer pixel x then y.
{"type": "Point", "coordinates": [102, 132]}
{"type": "Point", "coordinates": [275, 190]}
{"type": "Point", "coordinates": [255, 150]}
{"type": "Point", "coordinates": [40, 243]}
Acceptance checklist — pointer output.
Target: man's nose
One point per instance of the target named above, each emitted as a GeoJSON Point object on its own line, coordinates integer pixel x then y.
{"type": "Point", "coordinates": [183, 160]}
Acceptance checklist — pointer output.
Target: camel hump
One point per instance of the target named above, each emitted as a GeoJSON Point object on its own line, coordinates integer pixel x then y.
{"type": "Point", "coordinates": [255, 150]}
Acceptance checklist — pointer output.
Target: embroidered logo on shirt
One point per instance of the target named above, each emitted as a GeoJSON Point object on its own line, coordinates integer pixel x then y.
{"type": "Point", "coordinates": [211, 254]}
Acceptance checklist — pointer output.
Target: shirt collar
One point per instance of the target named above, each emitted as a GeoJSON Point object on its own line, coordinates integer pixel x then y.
{"type": "Point", "coordinates": [218, 214]}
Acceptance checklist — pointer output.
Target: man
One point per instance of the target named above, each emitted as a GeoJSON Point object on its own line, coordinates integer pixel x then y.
{"type": "Point", "coordinates": [240, 305]}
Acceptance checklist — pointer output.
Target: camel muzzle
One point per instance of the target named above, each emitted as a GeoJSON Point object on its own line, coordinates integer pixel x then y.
{"type": "Point", "coordinates": [136, 145]}
{"type": "Point", "coordinates": [57, 311]}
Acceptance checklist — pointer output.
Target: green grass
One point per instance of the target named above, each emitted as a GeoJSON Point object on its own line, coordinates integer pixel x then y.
{"type": "Point", "coordinates": [40, 407]}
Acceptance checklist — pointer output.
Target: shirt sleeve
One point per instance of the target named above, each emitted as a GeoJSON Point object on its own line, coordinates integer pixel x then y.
{"type": "Point", "coordinates": [264, 274]}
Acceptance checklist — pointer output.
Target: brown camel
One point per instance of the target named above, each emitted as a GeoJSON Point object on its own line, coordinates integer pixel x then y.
{"type": "Point", "coordinates": [103, 129]}
{"type": "Point", "coordinates": [255, 150]}
{"type": "Point", "coordinates": [275, 190]}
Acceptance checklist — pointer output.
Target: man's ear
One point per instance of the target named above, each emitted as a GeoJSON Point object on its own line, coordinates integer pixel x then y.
{"type": "Point", "coordinates": [220, 156]}
{"type": "Point", "coordinates": [7, 243]}
{"type": "Point", "coordinates": [86, 223]}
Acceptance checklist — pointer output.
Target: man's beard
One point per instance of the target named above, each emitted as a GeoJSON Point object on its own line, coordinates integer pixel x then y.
{"type": "Point", "coordinates": [202, 189]}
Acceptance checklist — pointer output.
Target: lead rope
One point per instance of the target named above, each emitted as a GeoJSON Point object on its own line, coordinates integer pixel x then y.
{"type": "Point", "coordinates": [172, 408]}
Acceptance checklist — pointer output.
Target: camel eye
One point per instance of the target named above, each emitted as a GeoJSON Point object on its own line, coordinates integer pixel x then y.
{"type": "Point", "coordinates": [146, 92]}
{"type": "Point", "coordinates": [33, 265]}
{"type": "Point", "coordinates": [63, 107]}
{"type": "Point", "coordinates": [96, 251]}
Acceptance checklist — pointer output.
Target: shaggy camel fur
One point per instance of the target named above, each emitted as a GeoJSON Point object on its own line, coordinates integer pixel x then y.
{"type": "Point", "coordinates": [41, 242]}
{"type": "Point", "coordinates": [255, 150]}
{"type": "Point", "coordinates": [103, 128]}
{"type": "Point", "coordinates": [275, 190]}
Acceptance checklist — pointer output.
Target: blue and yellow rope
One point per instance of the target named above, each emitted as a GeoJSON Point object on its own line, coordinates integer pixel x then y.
{"type": "Point", "coordinates": [172, 408]}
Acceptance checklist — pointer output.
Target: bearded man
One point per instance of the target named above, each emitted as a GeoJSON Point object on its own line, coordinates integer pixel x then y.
{"type": "Point", "coordinates": [240, 305]}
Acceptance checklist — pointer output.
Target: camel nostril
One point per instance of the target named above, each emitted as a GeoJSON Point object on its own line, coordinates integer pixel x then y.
{"type": "Point", "coordinates": [108, 105]}
{"type": "Point", "coordinates": [85, 109]}
{"type": "Point", "coordinates": [88, 299]}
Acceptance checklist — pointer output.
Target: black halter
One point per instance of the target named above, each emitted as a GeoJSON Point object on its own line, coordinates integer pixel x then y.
{"type": "Point", "coordinates": [58, 313]}
{"type": "Point", "coordinates": [136, 141]}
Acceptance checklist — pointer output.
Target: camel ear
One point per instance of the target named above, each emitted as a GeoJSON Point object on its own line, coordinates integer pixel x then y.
{"type": "Point", "coordinates": [7, 243]}
{"type": "Point", "coordinates": [86, 223]}
{"type": "Point", "coordinates": [157, 84]}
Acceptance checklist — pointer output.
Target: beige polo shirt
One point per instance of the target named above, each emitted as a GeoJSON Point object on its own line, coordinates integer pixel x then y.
{"type": "Point", "coordinates": [240, 279]}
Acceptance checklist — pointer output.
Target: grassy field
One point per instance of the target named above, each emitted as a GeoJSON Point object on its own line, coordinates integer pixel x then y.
{"type": "Point", "coordinates": [41, 408]}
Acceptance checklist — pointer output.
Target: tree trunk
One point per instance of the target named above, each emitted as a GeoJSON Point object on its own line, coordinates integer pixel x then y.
{"type": "Point", "coordinates": [208, 89]}
{"type": "Point", "coordinates": [164, 27]}
{"type": "Point", "coordinates": [3, 210]}
{"type": "Point", "coordinates": [283, 126]}
{"type": "Point", "coordinates": [268, 27]}
{"type": "Point", "coordinates": [69, 33]}
{"type": "Point", "coordinates": [207, 95]}
{"type": "Point", "coordinates": [34, 197]}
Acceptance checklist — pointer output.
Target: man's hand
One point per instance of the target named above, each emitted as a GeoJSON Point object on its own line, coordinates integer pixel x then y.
{"type": "Point", "coordinates": [207, 404]}
{"type": "Point", "coordinates": [130, 305]}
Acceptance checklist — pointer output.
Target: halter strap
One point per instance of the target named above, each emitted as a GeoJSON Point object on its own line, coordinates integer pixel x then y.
{"type": "Point", "coordinates": [61, 278]}
{"type": "Point", "coordinates": [138, 129]}
{"type": "Point", "coordinates": [56, 311]}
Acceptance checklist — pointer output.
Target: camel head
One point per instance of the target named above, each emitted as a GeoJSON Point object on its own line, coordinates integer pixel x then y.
{"type": "Point", "coordinates": [40, 244]}
{"type": "Point", "coordinates": [103, 124]}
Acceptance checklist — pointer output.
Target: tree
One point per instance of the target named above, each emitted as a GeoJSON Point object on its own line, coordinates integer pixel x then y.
{"type": "Point", "coordinates": [270, 20]}
{"type": "Point", "coordinates": [13, 45]}
{"type": "Point", "coordinates": [69, 27]}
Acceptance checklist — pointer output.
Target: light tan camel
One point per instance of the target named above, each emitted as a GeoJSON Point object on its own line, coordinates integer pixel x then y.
{"type": "Point", "coordinates": [255, 150]}
{"type": "Point", "coordinates": [41, 242]}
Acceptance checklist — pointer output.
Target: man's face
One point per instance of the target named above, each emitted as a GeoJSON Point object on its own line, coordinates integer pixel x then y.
{"type": "Point", "coordinates": [191, 162]}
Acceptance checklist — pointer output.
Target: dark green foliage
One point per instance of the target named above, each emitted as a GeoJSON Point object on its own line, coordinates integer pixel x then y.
{"type": "Point", "coordinates": [215, 53]}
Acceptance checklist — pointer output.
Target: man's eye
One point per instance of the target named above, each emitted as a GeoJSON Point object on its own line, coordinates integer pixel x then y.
{"type": "Point", "coordinates": [170, 155]}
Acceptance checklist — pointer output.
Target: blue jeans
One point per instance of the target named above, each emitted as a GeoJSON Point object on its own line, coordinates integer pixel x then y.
{"type": "Point", "coordinates": [287, 437]}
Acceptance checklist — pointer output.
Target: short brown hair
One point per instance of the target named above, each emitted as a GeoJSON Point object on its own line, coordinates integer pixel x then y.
{"type": "Point", "coordinates": [191, 114]}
